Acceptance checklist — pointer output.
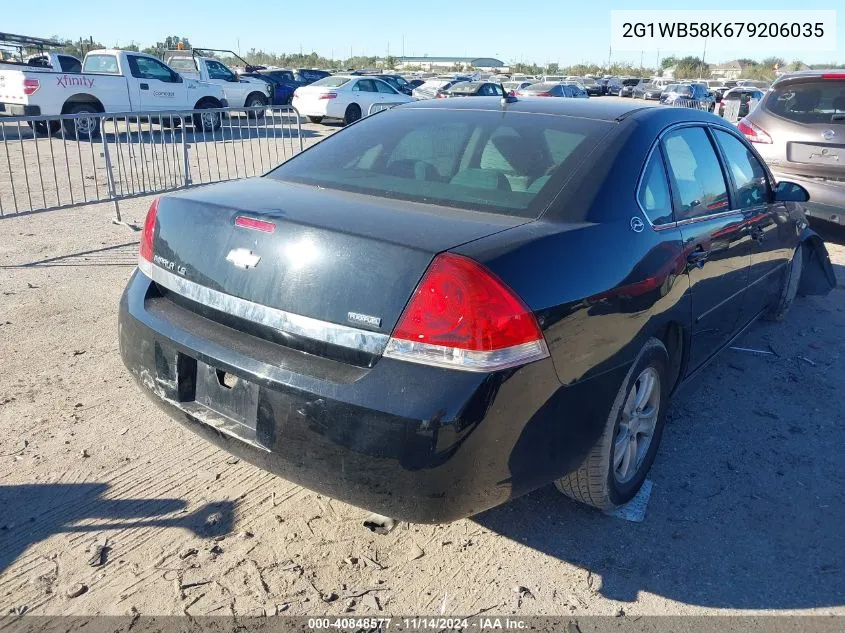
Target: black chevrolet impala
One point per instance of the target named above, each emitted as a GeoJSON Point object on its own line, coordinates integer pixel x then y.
{"type": "Point", "coordinates": [452, 303]}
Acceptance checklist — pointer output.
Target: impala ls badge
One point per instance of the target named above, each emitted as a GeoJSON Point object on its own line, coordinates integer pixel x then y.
{"type": "Point", "coordinates": [364, 319]}
{"type": "Point", "coordinates": [243, 258]}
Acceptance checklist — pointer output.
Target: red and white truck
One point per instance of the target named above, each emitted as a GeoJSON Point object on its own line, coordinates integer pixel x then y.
{"type": "Point", "coordinates": [111, 81]}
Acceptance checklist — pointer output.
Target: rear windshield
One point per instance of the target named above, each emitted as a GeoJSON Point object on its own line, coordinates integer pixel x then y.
{"type": "Point", "coordinates": [331, 82]}
{"type": "Point", "coordinates": [182, 64]}
{"type": "Point", "coordinates": [820, 101]}
{"type": "Point", "coordinates": [512, 164]}
{"type": "Point", "coordinates": [542, 87]}
{"type": "Point", "coordinates": [101, 64]}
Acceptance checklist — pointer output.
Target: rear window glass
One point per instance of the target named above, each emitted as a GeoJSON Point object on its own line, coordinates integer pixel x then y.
{"type": "Point", "coordinates": [331, 82]}
{"type": "Point", "coordinates": [101, 64]}
{"type": "Point", "coordinates": [182, 64]}
{"type": "Point", "coordinates": [540, 87]}
{"type": "Point", "coordinates": [512, 164]}
{"type": "Point", "coordinates": [812, 102]}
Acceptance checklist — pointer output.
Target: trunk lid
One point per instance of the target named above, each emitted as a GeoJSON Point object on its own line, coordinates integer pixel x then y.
{"type": "Point", "coordinates": [339, 257]}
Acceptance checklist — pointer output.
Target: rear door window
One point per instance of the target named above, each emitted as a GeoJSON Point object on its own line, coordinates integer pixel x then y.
{"type": "Point", "coordinates": [70, 64]}
{"type": "Point", "coordinates": [697, 180]}
{"type": "Point", "coordinates": [513, 165]}
{"type": "Point", "coordinates": [384, 88]}
{"type": "Point", "coordinates": [810, 102]}
{"type": "Point", "coordinates": [101, 64]}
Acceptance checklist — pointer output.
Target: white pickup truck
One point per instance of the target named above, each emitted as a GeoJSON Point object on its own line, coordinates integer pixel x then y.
{"type": "Point", "coordinates": [110, 81]}
{"type": "Point", "coordinates": [241, 92]}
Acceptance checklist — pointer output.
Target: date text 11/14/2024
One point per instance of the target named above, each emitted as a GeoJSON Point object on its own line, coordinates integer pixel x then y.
{"type": "Point", "coordinates": [418, 623]}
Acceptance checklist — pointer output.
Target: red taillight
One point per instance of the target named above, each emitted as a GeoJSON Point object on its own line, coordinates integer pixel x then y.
{"type": "Point", "coordinates": [544, 94]}
{"type": "Point", "coordinates": [833, 75]}
{"type": "Point", "coordinates": [441, 95]}
{"type": "Point", "coordinates": [146, 250]}
{"type": "Point", "coordinates": [254, 223]}
{"type": "Point", "coordinates": [753, 133]}
{"type": "Point", "coordinates": [30, 86]}
{"type": "Point", "coordinates": [328, 95]}
{"type": "Point", "coordinates": [462, 316]}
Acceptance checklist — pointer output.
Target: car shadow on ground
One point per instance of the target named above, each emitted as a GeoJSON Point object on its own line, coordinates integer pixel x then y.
{"type": "Point", "coordinates": [30, 513]}
{"type": "Point", "coordinates": [125, 254]}
{"type": "Point", "coordinates": [748, 501]}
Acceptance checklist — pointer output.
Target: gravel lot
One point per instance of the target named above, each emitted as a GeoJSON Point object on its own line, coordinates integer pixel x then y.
{"type": "Point", "coordinates": [746, 511]}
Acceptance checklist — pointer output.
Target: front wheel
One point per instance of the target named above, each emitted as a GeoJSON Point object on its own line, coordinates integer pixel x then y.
{"type": "Point", "coordinates": [207, 121]}
{"type": "Point", "coordinates": [613, 471]}
{"type": "Point", "coordinates": [256, 100]}
{"type": "Point", "coordinates": [315, 119]}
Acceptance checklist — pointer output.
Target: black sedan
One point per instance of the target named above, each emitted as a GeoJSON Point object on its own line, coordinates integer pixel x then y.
{"type": "Point", "coordinates": [454, 302]}
{"type": "Point", "coordinates": [648, 91]}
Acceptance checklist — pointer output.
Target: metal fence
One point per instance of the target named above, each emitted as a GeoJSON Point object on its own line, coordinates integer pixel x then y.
{"type": "Point", "coordinates": [63, 161]}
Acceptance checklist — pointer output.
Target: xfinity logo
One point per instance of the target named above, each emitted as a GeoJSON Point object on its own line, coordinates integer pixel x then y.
{"type": "Point", "coordinates": [364, 319]}
{"type": "Point", "coordinates": [67, 81]}
{"type": "Point", "coordinates": [243, 258]}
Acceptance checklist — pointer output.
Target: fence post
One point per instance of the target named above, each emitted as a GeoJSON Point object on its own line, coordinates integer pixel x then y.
{"type": "Point", "coordinates": [109, 174]}
{"type": "Point", "coordinates": [185, 159]}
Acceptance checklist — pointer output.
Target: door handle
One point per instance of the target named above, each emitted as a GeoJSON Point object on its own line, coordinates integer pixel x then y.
{"type": "Point", "coordinates": [698, 257]}
{"type": "Point", "coordinates": [145, 86]}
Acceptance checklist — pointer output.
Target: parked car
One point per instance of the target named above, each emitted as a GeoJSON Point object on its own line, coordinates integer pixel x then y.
{"type": "Point", "coordinates": [474, 89]}
{"type": "Point", "coordinates": [515, 86]}
{"type": "Point", "coordinates": [433, 87]}
{"type": "Point", "coordinates": [628, 86]}
{"type": "Point", "coordinates": [344, 97]}
{"type": "Point", "coordinates": [613, 86]}
{"type": "Point", "coordinates": [799, 129]}
{"type": "Point", "coordinates": [553, 90]}
{"type": "Point", "coordinates": [648, 91]}
{"type": "Point", "coordinates": [690, 95]}
{"type": "Point", "coordinates": [111, 81]}
{"type": "Point", "coordinates": [283, 83]}
{"type": "Point", "coordinates": [242, 91]}
{"type": "Point", "coordinates": [737, 102]}
{"type": "Point", "coordinates": [415, 83]}
{"type": "Point", "coordinates": [420, 314]}
{"type": "Point", "coordinates": [593, 88]}
{"type": "Point", "coordinates": [310, 75]}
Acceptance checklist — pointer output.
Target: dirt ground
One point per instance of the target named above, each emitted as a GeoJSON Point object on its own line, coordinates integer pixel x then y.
{"type": "Point", "coordinates": [746, 511]}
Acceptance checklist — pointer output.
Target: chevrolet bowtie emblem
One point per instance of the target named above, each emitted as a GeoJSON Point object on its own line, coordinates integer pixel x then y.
{"type": "Point", "coordinates": [243, 258]}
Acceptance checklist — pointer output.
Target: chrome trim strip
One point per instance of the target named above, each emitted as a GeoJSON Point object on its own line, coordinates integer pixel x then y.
{"type": "Point", "coordinates": [280, 320]}
{"type": "Point", "coordinates": [466, 360]}
{"type": "Point", "coordinates": [712, 216]}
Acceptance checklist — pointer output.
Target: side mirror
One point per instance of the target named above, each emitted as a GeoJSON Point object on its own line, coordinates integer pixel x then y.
{"type": "Point", "coordinates": [790, 192]}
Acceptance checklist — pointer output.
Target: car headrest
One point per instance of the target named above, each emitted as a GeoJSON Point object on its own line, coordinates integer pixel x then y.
{"type": "Point", "coordinates": [521, 158]}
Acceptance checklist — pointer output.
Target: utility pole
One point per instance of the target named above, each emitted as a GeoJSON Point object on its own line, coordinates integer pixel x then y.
{"type": "Point", "coordinates": [403, 45]}
{"type": "Point", "coordinates": [641, 60]}
{"type": "Point", "coordinates": [703, 56]}
{"type": "Point", "coordinates": [657, 67]}
{"type": "Point", "coordinates": [609, 57]}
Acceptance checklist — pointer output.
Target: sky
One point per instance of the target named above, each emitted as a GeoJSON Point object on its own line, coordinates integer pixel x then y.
{"type": "Point", "coordinates": [539, 31]}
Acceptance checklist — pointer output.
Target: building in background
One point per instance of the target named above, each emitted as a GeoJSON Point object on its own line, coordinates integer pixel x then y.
{"type": "Point", "coordinates": [449, 63]}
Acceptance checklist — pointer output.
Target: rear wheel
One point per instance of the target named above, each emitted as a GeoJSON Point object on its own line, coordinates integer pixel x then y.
{"type": "Point", "coordinates": [789, 288]}
{"type": "Point", "coordinates": [616, 467]}
{"type": "Point", "coordinates": [353, 113]}
{"type": "Point", "coordinates": [256, 100]}
{"type": "Point", "coordinates": [83, 128]}
{"type": "Point", "coordinates": [315, 119]}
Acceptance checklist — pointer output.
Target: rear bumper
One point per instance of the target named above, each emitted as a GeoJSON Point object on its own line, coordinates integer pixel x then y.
{"type": "Point", "coordinates": [408, 441]}
{"type": "Point", "coordinates": [312, 107]}
{"type": "Point", "coordinates": [17, 109]}
{"type": "Point", "coordinates": [827, 199]}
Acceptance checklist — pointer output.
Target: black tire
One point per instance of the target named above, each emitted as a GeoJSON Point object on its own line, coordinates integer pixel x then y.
{"type": "Point", "coordinates": [315, 119]}
{"type": "Point", "coordinates": [711, 108]}
{"type": "Point", "coordinates": [45, 128]}
{"type": "Point", "coordinates": [352, 114]}
{"type": "Point", "coordinates": [256, 100]}
{"type": "Point", "coordinates": [82, 129]}
{"type": "Point", "coordinates": [789, 287]}
{"type": "Point", "coordinates": [210, 122]}
{"type": "Point", "coordinates": [595, 481]}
